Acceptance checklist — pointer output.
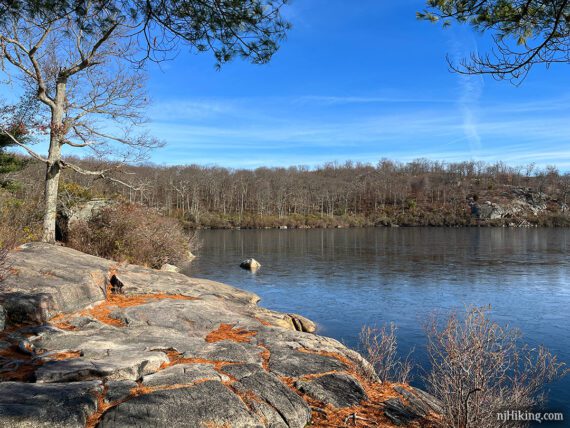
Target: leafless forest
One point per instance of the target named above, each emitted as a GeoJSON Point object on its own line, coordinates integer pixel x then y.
{"type": "Point", "coordinates": [418, 193]}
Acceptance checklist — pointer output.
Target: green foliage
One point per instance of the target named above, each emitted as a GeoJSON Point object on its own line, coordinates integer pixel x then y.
{"type": "Point", "coordinates": [250, 29]}
{"type": "Point", "coordinates": [15, 123]}
{"type": "Point", "coordinates": [526, 32]}
{"type": "Point", "coordinates": [71, 193]}
{"type": "Point", "coordinates": [10, 163]}
{"type": "Point", "coordinates": [20, 219]}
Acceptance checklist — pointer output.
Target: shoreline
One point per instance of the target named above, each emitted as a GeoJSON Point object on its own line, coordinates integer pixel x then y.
{"type": "Point", "coordinates": [167, 349]}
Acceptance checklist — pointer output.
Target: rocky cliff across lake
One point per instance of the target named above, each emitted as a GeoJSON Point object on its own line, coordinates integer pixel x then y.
{"type": "Point", "coordinates": [87, 342]}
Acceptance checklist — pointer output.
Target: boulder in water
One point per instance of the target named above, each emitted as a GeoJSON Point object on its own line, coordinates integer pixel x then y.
{"type": "Point", "coordinates": [250, 264]}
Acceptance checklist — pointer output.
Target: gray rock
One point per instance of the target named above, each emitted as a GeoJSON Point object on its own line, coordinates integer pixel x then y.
{"type": "Point", "coordinates": [120, 316]}
{"type": "Point", "coordinates": [420, 401]}
{"type": "Point", "coordinates": [26, 405]}
{"type": "Point", "coordinates": [228, 351]}
{"type": "Point", "coordinates": [292, 363]}
{"type": "Point", "coordinates": [2, 317]}
{"type": "Point", "coordinates": [338, 389]}
{"type": "Point", "coordinates": [157, 331]}
{"type": "Point", "coordinates": [51, 279]}
{"type": "Point", "coordinates": [239, 371]}
{"type": "Point", "coordinates": [206, 403]}
{"type": "Point", "coordinates": [300, 323]}
{"type": "Point", "coordinates": [250, 264]}
{"type": "Point", "coordinates": [402, 413]}
{"type": "Point", "coordinates": [184, 374]}
{"type": "Point", "coordinates": [73, 370]}
{"type": "Point", "coordinates": [118, 390]}
{"type": "Point", "coordinates": [86, 210]}
{"type": "Point", "coordinates": [170, 268]}
{"type": "Point", "coordinates": [289, 406]}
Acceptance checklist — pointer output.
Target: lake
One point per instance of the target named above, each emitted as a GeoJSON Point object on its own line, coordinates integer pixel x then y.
{"type": "Point", "coordinates": [345, 278]}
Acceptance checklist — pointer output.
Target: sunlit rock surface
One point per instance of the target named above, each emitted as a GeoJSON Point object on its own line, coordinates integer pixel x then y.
{"type": "Point", "coordinates": [171, 351]}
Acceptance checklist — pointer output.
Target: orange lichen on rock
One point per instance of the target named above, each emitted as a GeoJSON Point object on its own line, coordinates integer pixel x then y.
{"type": "Point", "coordinates": [369, 413]}
{"type": "Point", "coordinates": [102, 407]}
{"type": "Point", "coordinates": [263, 322]}
{"type": "Point", "coordinates": [215, 425]}
{"type": "Point", "coordinates": [61, 321]}
{"type": "Point", "coordinates": [61, 356]}
{"type": "Point", "coordinates": [265, 356]}
{"type": "Point", "coordinates": [143, 389]}
{"type": "Point", "coordinates": [230, 332]}
{"type": "Point", "coordinates": [103, 310]}
{"type": "Point", "coordinates": [176, 357]}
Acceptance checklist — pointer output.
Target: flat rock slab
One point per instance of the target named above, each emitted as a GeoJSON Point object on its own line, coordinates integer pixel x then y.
{"type": "Point", "coordinates": [184, 374]}
{"type": "Point", "coordinates": [268, 389]}
{"type": "Point", "coordinates": [206, 404]}
{"type": "Point", "coordinates": [171, 351]}
{"type": "Point", "coordinates": [338, 389]}
{"type": "Point", "coordinates": [25, 405]}
{"type": "Point", "coordinates": [292, 363]}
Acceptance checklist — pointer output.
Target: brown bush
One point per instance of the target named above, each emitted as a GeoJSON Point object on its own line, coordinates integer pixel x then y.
{"type": "Point", "coordinates": [380, 348]}
{"type": "Point", "coordinates": [4, 267]}
{"type": "Point", "coordinates": [479, 369]}
{"type": "Point", "coordinates": [20, 220]}
{"type": "Point", "coordinates": [132, 233]}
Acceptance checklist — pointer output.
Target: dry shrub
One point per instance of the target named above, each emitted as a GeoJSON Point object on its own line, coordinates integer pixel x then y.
{"type": "Point", "coordinates": [479, 369]}
{"type": "Point", "coordinates": [20, 220]}
{"type": "Point", "coordinates": [4, 267]}
{"type": "Point", "coordinates": [132, 233]}
{"type": "Point", "coordinates": [380, 348]}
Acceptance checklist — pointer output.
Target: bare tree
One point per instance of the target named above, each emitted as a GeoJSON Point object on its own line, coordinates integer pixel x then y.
{"type": "Point", "coordinates": [380, 348]}
{"type": "Point", "coordinates": [83, 61]}
{"type": "Point", "coordinates": [479, 369]}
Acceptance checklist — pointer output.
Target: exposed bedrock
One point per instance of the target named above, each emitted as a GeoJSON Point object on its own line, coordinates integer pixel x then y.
{"type": "Point", "coordinates": [170, 351]}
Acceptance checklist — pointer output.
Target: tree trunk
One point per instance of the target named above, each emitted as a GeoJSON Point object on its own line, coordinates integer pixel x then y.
{"type": "Point", "coordinates": [51, 190]}
{"type": "Point", "coordinates": [53, 169]}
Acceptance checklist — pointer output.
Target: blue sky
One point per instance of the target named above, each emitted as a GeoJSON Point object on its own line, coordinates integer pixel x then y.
{"type": "Point", "coordinates": [361, 81]}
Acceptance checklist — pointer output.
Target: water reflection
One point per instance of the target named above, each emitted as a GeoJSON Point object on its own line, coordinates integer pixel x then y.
{"type": "Point", "coordinates": [345, 278]}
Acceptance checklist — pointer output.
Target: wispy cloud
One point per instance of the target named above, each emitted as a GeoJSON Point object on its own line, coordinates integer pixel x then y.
{"type": "Point", "coordinates": [274, 133]}
{"type": "Point", "coordinates": [340, 100]}
{"type": "Point", "coordinates": [471, 88]}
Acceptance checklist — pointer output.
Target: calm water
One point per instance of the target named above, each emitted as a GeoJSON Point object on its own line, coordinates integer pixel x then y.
{"type": "Point", "coordinates": [345, 278]}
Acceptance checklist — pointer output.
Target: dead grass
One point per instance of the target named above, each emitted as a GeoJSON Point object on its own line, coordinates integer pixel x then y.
{"type": "Point", "coordinates": [102, 311]}
{"type": "Point", "coordinates": [61, 356]}
{"type": "Point", "coordinates": [102, 407]}
{"type": "Point", "coordinates": [230, 332]}
{"type": "Point", "coordinates": [62, 321]}
{"type": "Point", "coordinates": [176, 357]}
{"type": "Point", "coordinates": [265, 356]}
{"type": "Point", "coordinates": [370, 412]}
{"type": "Point", "coordinates": [263, 322]}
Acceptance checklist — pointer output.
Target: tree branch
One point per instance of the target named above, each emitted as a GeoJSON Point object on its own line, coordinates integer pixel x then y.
{"type": "Point", "coordinates": [25, 147]}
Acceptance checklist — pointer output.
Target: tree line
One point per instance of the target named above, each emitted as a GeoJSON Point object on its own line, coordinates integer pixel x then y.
{"type": "Point", "coordinates": [421, 192]}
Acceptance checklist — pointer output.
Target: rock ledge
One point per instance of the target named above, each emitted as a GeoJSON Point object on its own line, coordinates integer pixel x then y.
{"type": "Point", "coordinates": [172, 351]}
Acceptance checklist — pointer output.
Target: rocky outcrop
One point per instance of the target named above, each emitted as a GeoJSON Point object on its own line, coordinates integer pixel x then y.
{"type": "Point", "coordinates": [167, 267]}
{"type": "Point", "coordinates": [170, 351]}
{"type": "Point", "coordinates": [519, 204]}
{"type": "Point", "coordinates": [84, 211]}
